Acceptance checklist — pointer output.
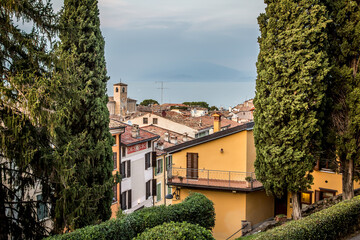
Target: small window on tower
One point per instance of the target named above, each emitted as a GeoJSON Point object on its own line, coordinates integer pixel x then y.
{"type": "Point", "coordinates": [116, 89]}
{"type": "Point", "coordinates": [123, 89]}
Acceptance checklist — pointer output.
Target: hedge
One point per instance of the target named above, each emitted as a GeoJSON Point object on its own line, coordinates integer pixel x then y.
{"type": "Point", "coordinates": [335, 222]}
{"type": "Point", "coordinates": [195, 209]}
{"type": "Point", "coordinates": [176, 231]}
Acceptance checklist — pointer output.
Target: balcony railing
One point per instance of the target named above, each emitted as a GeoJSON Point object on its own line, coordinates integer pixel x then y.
{"type": "Point", "coordinates": [204, 178]}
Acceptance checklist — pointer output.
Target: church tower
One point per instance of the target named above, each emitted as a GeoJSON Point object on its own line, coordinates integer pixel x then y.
{"type": "Point", "coordinates": [120, 98]}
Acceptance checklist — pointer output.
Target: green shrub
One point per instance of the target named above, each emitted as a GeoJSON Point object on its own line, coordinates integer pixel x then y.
{"type": "Point", "coordinates": [195, 209]}
{"type": "Point", "coordinates": [333, 223]}
{"type": "Point", "coordinates": [176, 231]}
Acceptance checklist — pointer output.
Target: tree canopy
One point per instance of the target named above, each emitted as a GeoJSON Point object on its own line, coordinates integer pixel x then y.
{"type": "Point", "coordinates": [197, 104]}
{"type": "Point", "coordinates": [26, 105]}
{"type": "Point", "coordinates": [290, 88]}
{"type": "Point", "coordinates": [148, 102]}
{"type": "Point", "coordinates": [83, 141]}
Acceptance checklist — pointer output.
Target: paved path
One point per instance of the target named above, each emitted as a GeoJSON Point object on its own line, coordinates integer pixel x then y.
{"type": "Point", "coordinates": [357, 237]}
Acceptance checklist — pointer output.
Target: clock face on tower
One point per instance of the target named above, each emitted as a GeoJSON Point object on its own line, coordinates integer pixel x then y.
{"type": "Point", "coordinates": [123, 99]}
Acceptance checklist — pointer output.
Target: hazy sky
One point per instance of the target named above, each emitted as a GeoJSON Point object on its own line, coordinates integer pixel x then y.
{"type": "Point", "coordinates": [203, 50]}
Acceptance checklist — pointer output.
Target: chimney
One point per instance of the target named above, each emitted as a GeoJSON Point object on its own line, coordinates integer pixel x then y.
{"type": "Point", "coordinates": [173, 140]}
{"type": "Point", "coordinates": [135, 131]}
{"type": "Point", "coordinates": [166, 137]}
{"type": "Point", "coordinates": [160, 145]}
{"type": "Point", "coordinates": [185, 137]}
{"type": "Point", "coordinates": [217, 122]}
{"type": "Point", "coordinates": [200, 123]}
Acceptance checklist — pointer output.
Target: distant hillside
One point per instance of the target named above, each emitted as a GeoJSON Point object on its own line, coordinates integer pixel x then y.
{"type": "Point", "coordinates": [199, 72]}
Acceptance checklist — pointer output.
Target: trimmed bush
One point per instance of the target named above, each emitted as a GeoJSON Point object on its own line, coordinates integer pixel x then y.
{"type": "Point", "coordinates": [195, 209]}
{"type": "Point", "coordinates": [335, 222]}
{"type": "Point", "coordinates": [176, 231]}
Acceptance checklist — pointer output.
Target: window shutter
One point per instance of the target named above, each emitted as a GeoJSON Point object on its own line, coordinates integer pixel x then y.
{"type": "Point", "coordinates": [153, 159]}
{"type": "Point", "coordinates": [115, 193]}
{"type": "Point", "coordinates": [188, 165]}
{"type": "Point", "coordinates": [147, 159]}
{"type": "Point", "coordinates": [129, 168]}
{"type": "Point", "coordinates": [161, 165]}
{"type": "Point", "coordinates": [154, 187]}
{"type": "Point", "coordinates": [147, 189]}
{"type": "Point", "coordinates": [317, 195]}
{"type": "Point", "coordinates": [158, 192]}
{"type": "Point", "coordinates": [123, 170]}
{"type": "Point", "coordinates": [195, 165]}
{"type": "Point", "coordinates": [115, 160]}
{"type": "Point", "coordinates": [129, 199]}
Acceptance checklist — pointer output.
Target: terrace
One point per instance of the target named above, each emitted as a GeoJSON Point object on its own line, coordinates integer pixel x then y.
{"type": "Point", "coordinates": [213, 179]}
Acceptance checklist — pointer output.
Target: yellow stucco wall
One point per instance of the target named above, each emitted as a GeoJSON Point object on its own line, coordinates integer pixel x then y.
{"type": "Point", "coordinates": [259, 206]}
{"type": "Point", "coordinates": [229, 210]}
{"type": "Point", "coordinates": [234, 157]}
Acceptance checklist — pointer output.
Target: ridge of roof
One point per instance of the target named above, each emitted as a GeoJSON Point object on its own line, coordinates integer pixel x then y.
{"type": "Point", "coordinates": [211, 137]}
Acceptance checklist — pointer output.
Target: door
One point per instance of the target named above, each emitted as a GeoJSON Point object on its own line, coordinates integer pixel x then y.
{"type": "Point", "coordinates": [192, 165]}
{"type": "Point", "coordinates": [281, 205]}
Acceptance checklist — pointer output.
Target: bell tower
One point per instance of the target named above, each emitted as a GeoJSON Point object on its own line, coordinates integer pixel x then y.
{"type": "Point", "coordinates": [120, 98]}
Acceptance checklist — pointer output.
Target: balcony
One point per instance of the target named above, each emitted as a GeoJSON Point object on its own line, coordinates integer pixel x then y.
{"type": "Point", "coordinates": [213, 179]}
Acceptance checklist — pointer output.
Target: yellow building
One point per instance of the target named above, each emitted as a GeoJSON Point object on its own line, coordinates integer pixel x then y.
{"type": "Point", "coordinates": [221, 166]}
{"type": "Point", "coordinates": [327, 183]}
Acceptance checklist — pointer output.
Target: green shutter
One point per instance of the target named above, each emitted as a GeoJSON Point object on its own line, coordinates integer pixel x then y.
{"type": "Point", "coordinates": [42, 210]}
{"type": "Point", "coordinates": [158, 192]}
{"type": "Point", "coordinates": [161, 165]}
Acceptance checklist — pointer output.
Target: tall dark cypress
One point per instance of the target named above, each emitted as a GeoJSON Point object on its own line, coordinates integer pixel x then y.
{"type": "Point", "coordinates": [290, 87]}
{"type": "Point", "coordinates": [344, 88]}
{"type": "Point", "coordinates": [83, 140]}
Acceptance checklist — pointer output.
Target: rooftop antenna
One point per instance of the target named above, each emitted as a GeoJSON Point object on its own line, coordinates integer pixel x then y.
{"type": "Point", "coordinates": [162, 90]}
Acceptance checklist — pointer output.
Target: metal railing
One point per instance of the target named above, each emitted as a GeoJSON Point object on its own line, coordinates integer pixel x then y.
{"type": "Point", "coordinates": [214, 178]}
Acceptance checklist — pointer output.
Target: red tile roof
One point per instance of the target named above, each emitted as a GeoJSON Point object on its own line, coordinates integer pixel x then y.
{"type": "Point", "coordinates": [126, 137]}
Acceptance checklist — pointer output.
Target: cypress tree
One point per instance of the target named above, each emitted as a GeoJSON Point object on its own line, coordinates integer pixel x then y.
{"type": "Point", "coordinates": [83, 140]}
{"type": "Point", "coordinates": [344, 88]}
{"type": "Point", "coordinates": [291, 70]}
{"type": "Point", "coordinates": [26, 90]}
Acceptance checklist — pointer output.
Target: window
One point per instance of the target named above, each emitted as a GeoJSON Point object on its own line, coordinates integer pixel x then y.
{"type": "Point", "coordinates": [155, 121]}
{"type": "Point", "coordinates": [123, 89]}
{"type": "Point", "coordinates": [114, 140]}
{"type": "Point", "coordinates": [123, 150]}
{"type": "Point", "coordinates": [169, 189]}
{"type": "Point", "coordinates": [129, 198]}
{"type": "Point", "coordinates": [145, 120]}
{"type": "Point", "coordinates": [125, 169]}
{"type": "Point", "coordinates": [116, 89]}
{"type": "Point", "coordinates": [159, 166]}
{"type": "Point", "coordinates": [148, 183]}
{"type": "Point", "coordinates": [324, 193]}
{"type": "Point", "coordinates": [42, 210]}
{"type": "Point", "coordinates": [123, 201]}
{"type": "Point", "coordinates": [158, 192]}
{"type": "Point", "coordinates": [147, 160]}
{"type": "Point", "coordinates": [115, 160]}
{"type": "Point", "coordinates": [149, 144]}
{"type": "Point", "coordinates": [306, 199]}
{"type": "Point", "coordinates": [168, 160]}
{"type": "Point", "coordinates": [115, 193]}
{"type": "Point", "coordinates": [192, 165]}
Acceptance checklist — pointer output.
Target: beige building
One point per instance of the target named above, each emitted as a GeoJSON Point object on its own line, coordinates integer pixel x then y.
{"type": "Point", "coordinates": [120, 104]}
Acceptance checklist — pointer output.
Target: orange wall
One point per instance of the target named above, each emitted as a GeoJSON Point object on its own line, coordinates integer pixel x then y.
{"type": "Point", "coordinates": [115, 206]}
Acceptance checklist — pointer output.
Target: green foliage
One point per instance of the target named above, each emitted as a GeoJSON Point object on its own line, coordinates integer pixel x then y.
{"type": "Point", "coordinates": [344, 88]}
{"type": "Point", "coordinates": [82, 139]}
{"type": "Point", "coordinates": [335, 222]}
{"type": "Point", "coordinates": [197, 104]}
{"type": "Point", "coordinates": [195, 209]}
{"type": "Point", "coordinates": [148, 102]}
{"type": "Point", "coordinates": [290, 87]}
{"type": "Point", "coordinates": [27, 89]}
{"type": "Point", "coordinates": [179, 107]}
{"type": "Point", "coordinates": [176, 231]}
{"type": "Point", "coordinates": [213, 108]}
